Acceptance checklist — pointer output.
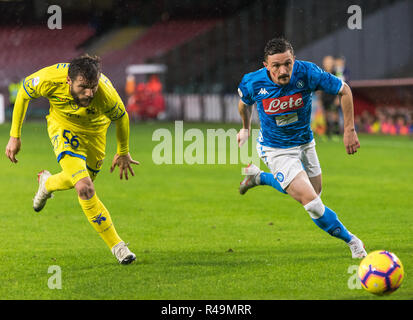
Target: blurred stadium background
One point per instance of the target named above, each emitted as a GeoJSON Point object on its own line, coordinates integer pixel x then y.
{"type": "Point", "coordinates": [183, 59]}
{"type": "Point", "coordinates": [194, 235]}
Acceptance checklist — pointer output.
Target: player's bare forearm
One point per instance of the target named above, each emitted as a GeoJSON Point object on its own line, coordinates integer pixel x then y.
{"type": "Point", "coordinates": [245, 113]}
{"type": "Point", "coordinates": [350, 138]}
{"type": "Point", "coordinates": [347, 107]}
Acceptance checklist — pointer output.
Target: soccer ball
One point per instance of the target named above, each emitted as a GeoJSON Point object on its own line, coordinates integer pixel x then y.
{"type": "Point", "coordinates": [381, 272]}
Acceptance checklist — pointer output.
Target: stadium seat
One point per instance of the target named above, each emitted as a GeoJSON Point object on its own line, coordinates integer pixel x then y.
{"type": "Point", "coordinates": [155, 41]}
{"type": "Point", "coordinates": [33, 47]}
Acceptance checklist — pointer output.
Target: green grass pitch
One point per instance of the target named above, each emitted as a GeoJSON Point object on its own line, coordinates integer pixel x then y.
{"type": "Point", "coordinates": [194, 236]}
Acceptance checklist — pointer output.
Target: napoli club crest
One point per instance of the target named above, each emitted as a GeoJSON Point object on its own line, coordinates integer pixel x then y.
{"type": "Point", "coordinates": [299, 84]}
{"type": "Point", "coordinates": [280, 177]}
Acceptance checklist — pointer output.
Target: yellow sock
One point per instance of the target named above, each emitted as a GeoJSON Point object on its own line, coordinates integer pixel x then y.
{"type": "Point", "coordinates": [99, 218]}
{"type": "Point", "coordinates": [59, 182]}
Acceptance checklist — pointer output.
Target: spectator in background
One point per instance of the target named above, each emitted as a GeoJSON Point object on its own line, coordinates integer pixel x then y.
{"type": "Point", "coordinates": [358, 123]}
{"type": "Point", "coordinates": [137, 101]}
{"type": "Point", "coordinates": [154, 85]}
{"type": "Point", "coordinates": [411, 130]}
{"type": "Point", "coordinates": [386, 125]}
{"type": "Point", "coordinates": [392, 128]}
{"type": "Point", "coordinates": [342, 72]}
{"type": "Point", "coordinates": [381, 118]}
{"type": "Point", "coordinates": [318, 123]}
{"type": "Point", "coordinates": [386, 120]}
{"type": "Point", "coordinates": [401, 126]}
{"type": "Point", "coordinates": [374, 125]}
{"type": "Point", "coordinates": [330, 103]}
{"type": "Point", "coordinates": [13, 88]}
{"type": "Point", "coordinates": [157, 105]}
{"type": "Point", "coordinates": [367, 122]}
{"type": "Point", "coordinates": [130, 85]}
{"type": "Point", "coordinates": [410, 123]}
{"type": "Point", "coordinates": [147, 101]}
{"type": "Point", "coordinates": [341, 69]}
{"type": "Point", "coordinates": [394, 121]}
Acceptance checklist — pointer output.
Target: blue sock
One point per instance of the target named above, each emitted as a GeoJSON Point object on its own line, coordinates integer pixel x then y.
{"type": "Point", "coordinates": [330, 223]}
{"type": "Point", "coordinates": [269, 180]}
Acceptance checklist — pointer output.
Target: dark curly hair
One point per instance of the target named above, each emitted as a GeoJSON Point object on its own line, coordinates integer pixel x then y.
{"type": "Point", "coordinates": [86, 66]}
{"type": "Point", "coordinates": [277, 45]}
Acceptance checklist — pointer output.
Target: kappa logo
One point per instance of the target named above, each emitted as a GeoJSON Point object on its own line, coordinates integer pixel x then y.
{"type": "Point", "coordinates": [99, 219]}
{"type": "Point", "coordinates": [283, 104]}
{"type": "Point", "coordinates": [263, 91]}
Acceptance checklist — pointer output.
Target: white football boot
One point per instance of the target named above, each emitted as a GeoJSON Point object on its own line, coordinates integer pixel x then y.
{"type": "Point", "coordinates": [252, 173]}
{"type": "Point", "coordinates": [357, 247]}
{"type": "Point", "coordinates": [123, 254]}
{"type": "Point", "coordinates": [40, 198]}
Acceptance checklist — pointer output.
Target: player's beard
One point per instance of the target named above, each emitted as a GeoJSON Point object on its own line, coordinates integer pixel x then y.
{"type": "Point", "coordinates": [80, 102]}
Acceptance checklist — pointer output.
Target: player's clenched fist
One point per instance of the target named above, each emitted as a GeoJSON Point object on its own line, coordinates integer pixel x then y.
{"type": "Point", "coordinates": [351, 141]}
{"type": "Point", "coordinates": [12, 148]}
{"type": "Point", "coordinates": [242, 136]}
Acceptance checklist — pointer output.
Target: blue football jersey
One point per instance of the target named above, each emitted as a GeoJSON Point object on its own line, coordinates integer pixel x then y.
{"type": "Point", "coordinates": [285, 111]}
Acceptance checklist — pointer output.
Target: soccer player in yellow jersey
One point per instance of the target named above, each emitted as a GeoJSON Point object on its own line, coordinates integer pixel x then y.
{"type": "Point", "coordinates": [83, 103]}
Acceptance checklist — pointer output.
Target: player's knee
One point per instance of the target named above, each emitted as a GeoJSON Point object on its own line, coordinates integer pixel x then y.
{"type": "Point", "coordinates": [85, 188]}
{"type": "Point", "coordinates": [315, 208]}
{"type": "Point", "coordinates": [306, 198]}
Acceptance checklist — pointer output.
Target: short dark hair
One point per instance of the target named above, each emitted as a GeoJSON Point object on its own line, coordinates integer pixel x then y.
{"type": "Point", "coordinates": [277, 45]}
{"type": "Point", "coordinates": [86, 66]}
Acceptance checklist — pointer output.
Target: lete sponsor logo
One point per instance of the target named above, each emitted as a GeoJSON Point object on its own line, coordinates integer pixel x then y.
{"type": "Point", "coordinates": [283, 104]}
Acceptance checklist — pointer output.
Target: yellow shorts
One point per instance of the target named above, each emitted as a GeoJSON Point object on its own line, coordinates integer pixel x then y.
{"type": "Point", "coordinates": [67, 141]}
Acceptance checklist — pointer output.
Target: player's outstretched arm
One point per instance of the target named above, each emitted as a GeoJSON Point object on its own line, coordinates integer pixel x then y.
{"type": "Point", "coordinates": [350, 139]}
{"type": "Point", "coordinates": [122, 157]}
{"type": "Point", "coordinates": [245, 113]}
{"type": "Point", "coordinates": [19, 112]}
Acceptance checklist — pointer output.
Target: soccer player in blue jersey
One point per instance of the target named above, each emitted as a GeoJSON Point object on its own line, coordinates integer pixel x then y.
{"type": "Point", "coordinates": [282, 91]}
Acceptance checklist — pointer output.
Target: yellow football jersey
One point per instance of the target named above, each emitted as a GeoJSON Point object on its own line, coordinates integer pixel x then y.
{"type": "Point", "coordinates": [51, 83]}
